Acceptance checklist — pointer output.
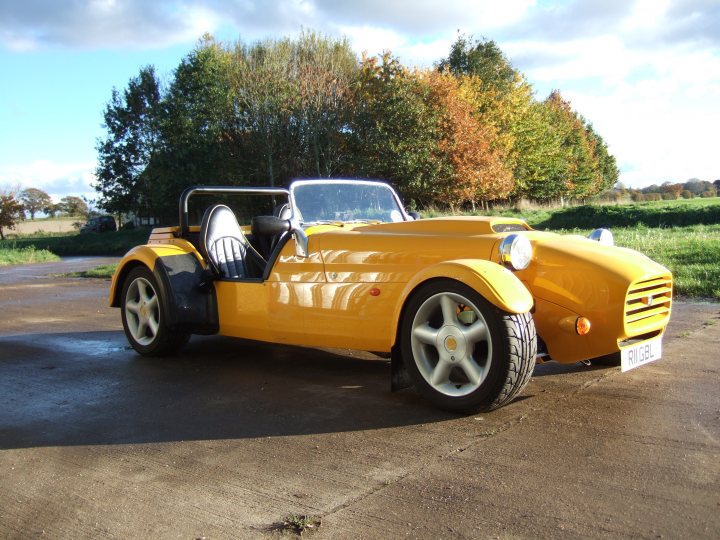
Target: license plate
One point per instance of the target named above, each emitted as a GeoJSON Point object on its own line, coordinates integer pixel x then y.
{"type": "Point", "coordinates": [640, 354]}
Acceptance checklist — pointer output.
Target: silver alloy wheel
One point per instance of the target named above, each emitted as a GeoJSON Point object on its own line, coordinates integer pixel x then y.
{"type": "Point", "coordinates": [451, 344]}
{"type": "Point", "coordinates": [142, 311]}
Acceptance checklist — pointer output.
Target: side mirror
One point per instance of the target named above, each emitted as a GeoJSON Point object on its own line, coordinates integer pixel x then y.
{"type": "Point", "coordinates": [414, 215]}
{"type": "Point", "coordinates": [302, 248]}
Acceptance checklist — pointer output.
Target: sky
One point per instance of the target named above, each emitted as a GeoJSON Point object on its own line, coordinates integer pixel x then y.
{"type": "Point", "coordinates": [646, 73]}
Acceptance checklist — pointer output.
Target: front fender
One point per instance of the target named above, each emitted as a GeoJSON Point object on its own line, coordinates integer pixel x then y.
{"type": "Point", "coordinates": [495, 283]}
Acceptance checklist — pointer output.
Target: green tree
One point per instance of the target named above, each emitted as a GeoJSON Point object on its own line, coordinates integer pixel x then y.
{"type": "Point", "coordinates": [73, 206]}
{"type": "Point", "coordinates": [132, 120]}
{"type": "Point", "coordinates": [195, 128]}
{"type": "Point", "coordinates": [265, 99]}
{"type": "Point", "coordinates": [482, 58]}
{"type": "Point", "coordinates": [394, 130]}
{"type": "Point", "coordinates": [11, 211]}
{"type": "Point", "coordinates": [292, 106]}
{"type": "Point", "coordinates": [580, 171]}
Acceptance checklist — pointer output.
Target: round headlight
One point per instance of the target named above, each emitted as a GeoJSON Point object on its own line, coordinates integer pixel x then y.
{"type": "Point", "coordinates": [604, 236]}
{"type": "Point", "coordinates": [516, 251]}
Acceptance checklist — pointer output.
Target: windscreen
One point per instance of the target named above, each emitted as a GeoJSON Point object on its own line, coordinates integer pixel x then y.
{"type": "Point", "coordinates": [330, 202]}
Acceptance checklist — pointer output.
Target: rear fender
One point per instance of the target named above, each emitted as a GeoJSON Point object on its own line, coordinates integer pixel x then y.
{"type": "Point", "coordinates": [178, 272]}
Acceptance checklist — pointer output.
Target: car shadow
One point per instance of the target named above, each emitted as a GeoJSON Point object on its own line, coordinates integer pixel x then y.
{"type": "Point", "coordinates": [91, 389]}
{"type": "Point", "coordinates": [556, 368]}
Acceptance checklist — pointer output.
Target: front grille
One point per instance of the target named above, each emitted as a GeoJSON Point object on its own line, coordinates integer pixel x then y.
{"type": "Point", "coordinates": [647, 304]}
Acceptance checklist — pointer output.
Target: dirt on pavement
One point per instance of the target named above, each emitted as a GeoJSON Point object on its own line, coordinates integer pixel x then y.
{"type": "Point", "coordinates": [229, 438]}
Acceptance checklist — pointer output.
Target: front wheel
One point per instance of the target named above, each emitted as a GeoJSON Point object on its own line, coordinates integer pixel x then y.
{"type": "Point", "coordinates": [463, 353]}
{"type": "Point", "coordinates": [143, 316]}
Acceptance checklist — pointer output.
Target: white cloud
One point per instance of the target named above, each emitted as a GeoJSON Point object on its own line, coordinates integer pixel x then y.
{"type": "Point", "coordinates": [56, 179]}
{"type": "Point", "coordinates": [93, 24]}
{"type": "Point", "coordinates": [645, 72]}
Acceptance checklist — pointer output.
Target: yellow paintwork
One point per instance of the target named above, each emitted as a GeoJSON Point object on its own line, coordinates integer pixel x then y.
{"type": "Point", "coordinates": [594, 285]}
{"type": "Point", "coordinates": [351, 290]}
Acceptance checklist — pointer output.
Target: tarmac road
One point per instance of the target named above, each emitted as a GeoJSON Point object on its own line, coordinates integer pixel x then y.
{"type": "Point", "coordinates": [229, 438]}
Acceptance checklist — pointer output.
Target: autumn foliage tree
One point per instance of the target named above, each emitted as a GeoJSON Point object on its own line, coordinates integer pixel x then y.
{"type": "Point", "coordinates": [463, 134]}
{"type": "Point", "coordinates": [34, 200]}
{"type": "Point", "coordinates": [11, 211]}
{"type": "Point", "coordinates": [477, 171]}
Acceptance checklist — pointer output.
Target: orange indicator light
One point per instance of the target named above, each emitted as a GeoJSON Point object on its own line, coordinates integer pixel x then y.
{"type": "Point", "coordinates": [582, 326]}
{"type": "Point", "coordinates": [374, 291]}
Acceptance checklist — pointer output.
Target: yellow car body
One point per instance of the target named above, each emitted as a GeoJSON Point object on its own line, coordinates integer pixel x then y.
{"type": "Point", "coordinates": [350, 284]}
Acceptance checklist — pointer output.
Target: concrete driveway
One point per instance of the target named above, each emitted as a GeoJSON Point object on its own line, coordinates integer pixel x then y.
{"type": "Point", "coordinates": [229, 438]}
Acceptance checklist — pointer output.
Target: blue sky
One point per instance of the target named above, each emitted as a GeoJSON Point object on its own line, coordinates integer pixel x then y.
{"type": "Point", "coordinates": [645, 72]}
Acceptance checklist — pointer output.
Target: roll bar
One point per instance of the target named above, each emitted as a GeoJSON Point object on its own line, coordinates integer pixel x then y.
{"type": "Point", "coordinates": [192, 190]}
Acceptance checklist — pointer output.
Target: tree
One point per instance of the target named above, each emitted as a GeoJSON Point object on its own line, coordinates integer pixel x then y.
{"type": "Point", "coordinates": [394, 130]}
{"type": "Point", "coordinates": [674, 190]}
{"type": "Point", "coordinates": [52, 209]}
{"type": "Point", "coordinates": [11, 211]}
{"type": "Point", "coordinates": [482, 58]}
{"type": "Point", "coordinates": [73, 206]}
{"type": "Point", "coordinates": [585, 168]}
{"type": "Point", "coordinates": [132, 121]}
{"type": "Point", "coordinates": [477, 171]}
{"type": "Point", "coordinates": [34, 200]}
{"type": "Point", "coordinates": [697, 186]}
{"type": "Point", "coordinates": [292, 101]}
{"type": "Point", "coordinates": [196, 128]}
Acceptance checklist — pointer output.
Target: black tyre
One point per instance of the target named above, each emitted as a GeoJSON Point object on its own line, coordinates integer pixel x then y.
{"type": "Point", "coordinates": [463, 353]}
{"type": "Point", "coordinates": [143, 318]}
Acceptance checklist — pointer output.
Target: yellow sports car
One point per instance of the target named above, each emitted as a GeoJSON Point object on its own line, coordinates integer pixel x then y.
{"type": "Point", "coordinates": [463, 306]}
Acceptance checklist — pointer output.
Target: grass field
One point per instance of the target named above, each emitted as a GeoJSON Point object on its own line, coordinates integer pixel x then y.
{"type": "Point", "coordinates": [683, 235]}
{"type": "Point", "coordinates": [13, 254]}
{"type": "Point", "coordinates": [110, 243]}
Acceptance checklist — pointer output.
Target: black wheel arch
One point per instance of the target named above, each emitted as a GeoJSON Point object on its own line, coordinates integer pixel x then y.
{"type": "Point", "coordinates": [189, 307]}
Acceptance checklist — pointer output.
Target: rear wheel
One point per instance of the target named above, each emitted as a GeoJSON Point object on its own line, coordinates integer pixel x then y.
{"type": "Point", "coordinates": [462, 352]}
{"type": "Point", "coordinates": [143, 316]}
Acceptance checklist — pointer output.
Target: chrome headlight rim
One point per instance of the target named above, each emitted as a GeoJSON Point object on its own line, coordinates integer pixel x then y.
{"type": "Point", "coordinates": [602, 236]}
{"type": "Point", "coordinates": [516, 251]}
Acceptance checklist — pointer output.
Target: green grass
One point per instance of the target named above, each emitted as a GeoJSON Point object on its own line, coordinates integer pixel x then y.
{"type": "Point", "coordinates": [110, 243]}
{"type": "Point", "coordinates": [681, 213]}
{"type": "Point", "coordinates": [104, 271]}
{"type": "Point", "coordinates": [12, 254]}
{"type": "Point", "coordinates": [678, 213]}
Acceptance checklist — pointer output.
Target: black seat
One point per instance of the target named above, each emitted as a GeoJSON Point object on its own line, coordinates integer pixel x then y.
{"type": "Point", "coordinates": [224, 245]}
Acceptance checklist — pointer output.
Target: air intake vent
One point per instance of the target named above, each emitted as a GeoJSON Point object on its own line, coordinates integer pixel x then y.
{"type": "Point", "coordinates": [647, 304]}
